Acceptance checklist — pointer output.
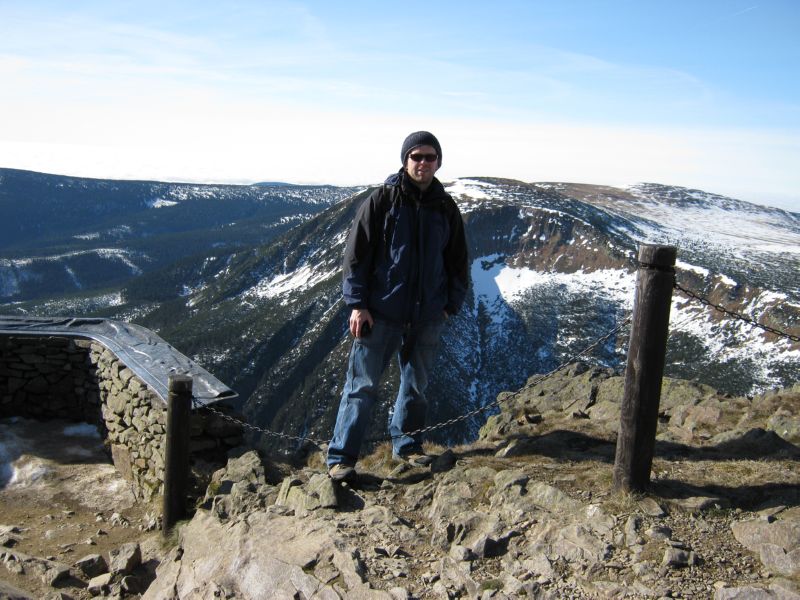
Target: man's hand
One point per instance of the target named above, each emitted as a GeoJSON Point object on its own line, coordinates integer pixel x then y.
{"type": "Point", "coordinates": [358, 317]}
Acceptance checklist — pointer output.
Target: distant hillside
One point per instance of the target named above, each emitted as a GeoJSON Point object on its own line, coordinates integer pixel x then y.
{"type": "Point", "coordinates": [65, 234]}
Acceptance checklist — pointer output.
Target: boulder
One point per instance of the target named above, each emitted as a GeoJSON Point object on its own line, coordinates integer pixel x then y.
{"type": "Point", "coordinates": [10, 592]}
{"type": "Point", "coordinates": [123, 560]}
{"type": "Point", "coordinates": [92, 565]}
{"type": "Point", "coordinates": [265, 555]}
{"type": "Point", "coordinates": [100, 585]}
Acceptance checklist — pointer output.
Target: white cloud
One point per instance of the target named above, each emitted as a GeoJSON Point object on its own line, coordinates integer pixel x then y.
{"type": "Point", "coordinates": [288, 99]}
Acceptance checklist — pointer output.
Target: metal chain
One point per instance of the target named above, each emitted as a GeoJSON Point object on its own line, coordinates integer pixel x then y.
{"type": "Point", "coordinates": [730, 313]}
{"type": "Point", "coordinates": [443, 424]}
{"type": "Point", "coordinates": [512, 395]}
{"type": "Point", "coordinates": [256, 428]}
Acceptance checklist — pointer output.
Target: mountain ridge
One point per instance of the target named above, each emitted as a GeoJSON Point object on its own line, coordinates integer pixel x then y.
{"type": "Point", "coordinates": [551, 271]}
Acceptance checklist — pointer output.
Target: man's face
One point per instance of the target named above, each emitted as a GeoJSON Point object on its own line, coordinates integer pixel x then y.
{"type": "Point", "coordinates": [422, 170]}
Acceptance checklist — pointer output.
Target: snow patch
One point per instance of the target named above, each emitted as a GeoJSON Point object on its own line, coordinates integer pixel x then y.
{"type": "Point", "coordinates": [726, 280]}
{"type": "Point", "coordinates": [693, 268]}
{"type": "Point", "coordinates": [81, 430]}
{"type": "Point", "coordinates": [28, 473]}
{"type": "Point", "coordinates": [281, 285]}
{"type": "Point", "coordinates": [470, 188]}
{"type": "Point", "coordinates": [493, 279]}
{"type": "Point", "coordinates": [160, 203]}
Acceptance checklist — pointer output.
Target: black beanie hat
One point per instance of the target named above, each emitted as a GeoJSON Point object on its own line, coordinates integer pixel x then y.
{"type": "Point", "coordinates": [420, 138]}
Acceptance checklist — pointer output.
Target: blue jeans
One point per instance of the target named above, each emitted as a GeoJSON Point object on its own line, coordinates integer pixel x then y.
{"type": "Point", "coordinates": [416, 350]}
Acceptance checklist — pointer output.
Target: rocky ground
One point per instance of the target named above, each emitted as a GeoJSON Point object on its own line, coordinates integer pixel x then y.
{"type": "Point", "coordinates": [526, 511]}
{"type": "Point", "coordinates": [61, 502]}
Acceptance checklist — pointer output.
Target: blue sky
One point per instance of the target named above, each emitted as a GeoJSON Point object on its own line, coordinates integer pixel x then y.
{"type": "Point", "coordinates": [701, 94]}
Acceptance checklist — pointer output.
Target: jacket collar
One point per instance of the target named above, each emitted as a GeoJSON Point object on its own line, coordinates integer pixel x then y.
{"type": "Point", "coordinates": [434, 193]}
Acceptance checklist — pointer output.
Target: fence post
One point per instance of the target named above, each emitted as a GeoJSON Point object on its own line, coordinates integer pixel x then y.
{"type": "Point", "coordinates": [646, 354]}
{"type": "Point", "coordinates": [176, 468]}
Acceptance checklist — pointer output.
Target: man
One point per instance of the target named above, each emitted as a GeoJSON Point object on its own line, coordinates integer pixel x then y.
{"type": "Point", "coordinates": [405, 272]}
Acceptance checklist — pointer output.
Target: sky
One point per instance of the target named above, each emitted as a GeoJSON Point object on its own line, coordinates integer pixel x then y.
{"type": "Point", "coordinates": [702, 94]}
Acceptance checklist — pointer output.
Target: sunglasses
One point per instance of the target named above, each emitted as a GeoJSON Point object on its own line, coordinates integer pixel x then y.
{"type": "Point", "coordinates": [423, 157]}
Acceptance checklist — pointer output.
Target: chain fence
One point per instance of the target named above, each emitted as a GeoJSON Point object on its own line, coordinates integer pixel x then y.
{"type": "Point", "coordinates": [495, 403]}
{"type": "Point", "coordinates": [511, 396]}
{"type": "Point", "coordinates": [706, 302]}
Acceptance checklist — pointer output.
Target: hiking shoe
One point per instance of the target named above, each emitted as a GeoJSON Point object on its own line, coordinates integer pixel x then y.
{"type": "Point", "coordinates": [341, 472]}
{"type": "Point", "coordinates": [415, 460]}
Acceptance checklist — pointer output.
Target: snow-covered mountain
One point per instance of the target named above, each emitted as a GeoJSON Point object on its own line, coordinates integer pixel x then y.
{"type": "Point", "coordinates": [553, 269]}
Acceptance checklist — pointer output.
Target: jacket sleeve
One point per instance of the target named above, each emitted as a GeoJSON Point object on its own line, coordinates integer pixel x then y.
{"type": "Point", "coordinates": [359, 254]}
{"type": "Point", "coordinates": [456, 262]}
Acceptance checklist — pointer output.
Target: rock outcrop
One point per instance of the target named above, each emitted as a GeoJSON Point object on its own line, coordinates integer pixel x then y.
{"type": "Point", "coordinates": [527, 511]}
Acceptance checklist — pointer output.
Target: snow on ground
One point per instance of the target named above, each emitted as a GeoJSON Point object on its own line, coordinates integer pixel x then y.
{"type": "Point", "coordinates": [57, 457]}
{"type": "Point", "coordinates": [301, 278]}
{"type": "Point", "coordinates": [81, 305]}
{"type": "Point", "coordinates": [160, 203]}
{"type": "Point", "coordinates": [470, 193]}
{"type": "Point", "coordinates": [492, 279]}
{"type": "Point", "coordinates": [81, 430]}
{"type": "Point", "coordinates": [470, 188]}
{"type": "Point", "coordinates": [733, 340]}
{"type": "Point", "coordinates": [108, 253]}
{"type": "Point", "coordinates": [741, 231]}
{"type": "Point", "coordinates": [684, 266]}
{"type": "Point", "coordinates": [498, 285]}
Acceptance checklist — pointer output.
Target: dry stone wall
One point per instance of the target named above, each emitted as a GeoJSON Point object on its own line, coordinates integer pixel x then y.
{"type": "Point", "coordinates": [47, 377]}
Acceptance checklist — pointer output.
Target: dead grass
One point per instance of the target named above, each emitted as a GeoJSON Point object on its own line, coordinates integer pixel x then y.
{"type": "Point", "coordinates": [379, 460]}
{"type": "Point", "coordinates": [729, 473]}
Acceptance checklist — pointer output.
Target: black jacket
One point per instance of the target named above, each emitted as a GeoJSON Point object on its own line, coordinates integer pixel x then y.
{"type": "Point", "coordinates": [406, 255]}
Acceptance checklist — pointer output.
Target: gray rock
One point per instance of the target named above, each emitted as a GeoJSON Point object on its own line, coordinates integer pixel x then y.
{"type": "Point", "coordinates": [551, 498]}
{"type": "Point", "coordinates": [755, 442]}
{"type": "Point", "coordinates": [651, 507]}
{"type": "Point", "coordinates": [778, 560]}
{"type": "Point", "coordinates": [600, 522]}
{"type": "Point", "coordinates": [632, 526]}
{"type": "Point", "coordinates": [785, 425]}
{"type": "Point", "coordinates": [787, 590]}
{"type": "Point", "coordinates": [753, 534]}
{"type": "Point", "coordinates": [576, 543]}
{"type": "Point", "coordinates": [247, 467]}
{"type": "Point", "coordinates": [444, 462]}
{"type": "Point", "coordinates": [487, 547]}
{"type": "Point", "coordinates": [747, 593]}
{"type": "Point", "coordinates": [461, 553]}
{"type": "Point", "coordinates": [398, 593]}
{"type": "Point", "coordinates": [265, 555]}
{"type": "Point", "coordinates": [322, 487]}
{"type": "Point", "coordinates": [92, 565]}
{"type": "Point", "coordinates": [659, 532]}
{"type": "Point", "coordinates": [694, 505]}
{"type": "Point", "coordinates": [678, 558]}
{"type": "Point", "coordinates": [10, 592]}
{"type": "Point", "coordinates": [537, 563]}
{"type": "Point", "coordinates": [456, 578]}
{"type": "Point", "coordinates": [49, 572]}
{"type": "Point", "coordinates": [100, 585]}
{"type": "Point", "coordinates": [125, 559]}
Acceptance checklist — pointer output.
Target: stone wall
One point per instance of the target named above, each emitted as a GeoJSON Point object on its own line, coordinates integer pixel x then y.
{"type": "Point", "coordinates": [46, 377]}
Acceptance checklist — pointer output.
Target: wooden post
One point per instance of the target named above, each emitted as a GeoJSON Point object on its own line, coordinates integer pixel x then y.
{"type": "Point", "coordinates": [646, 354]}
{"type": "Point", "coordinates": [176, 468]}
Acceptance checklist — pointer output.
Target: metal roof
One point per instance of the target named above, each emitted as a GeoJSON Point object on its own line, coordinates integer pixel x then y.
{"type": "Point", "coordinates": [151, 358]}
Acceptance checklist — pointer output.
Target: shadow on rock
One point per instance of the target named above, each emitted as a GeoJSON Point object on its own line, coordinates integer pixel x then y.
{"type": "Point", "coordinates": [697, 498]}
